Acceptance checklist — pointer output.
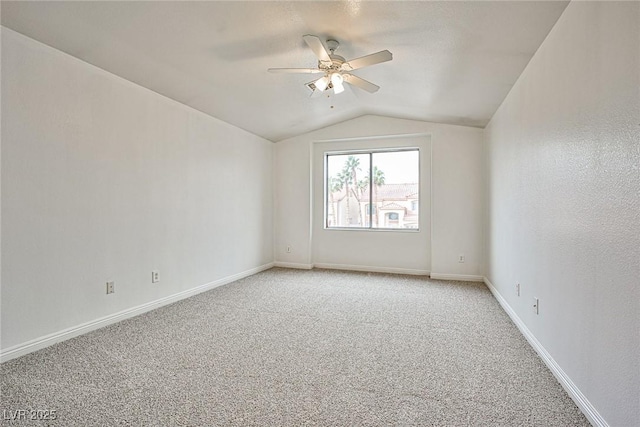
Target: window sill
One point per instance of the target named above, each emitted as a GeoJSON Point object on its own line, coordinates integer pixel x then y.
{"type": "Point", "coordinates": [384, 230]}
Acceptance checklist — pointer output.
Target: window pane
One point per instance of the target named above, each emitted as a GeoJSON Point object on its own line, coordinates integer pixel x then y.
{"type": "Point", "coordinates": [395, 177]}
{"type": "Point", "coordinates": [347, 190]}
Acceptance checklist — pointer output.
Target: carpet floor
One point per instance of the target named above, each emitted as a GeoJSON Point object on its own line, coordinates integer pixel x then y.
{"type": "Point", "coordinates": [293, 347]}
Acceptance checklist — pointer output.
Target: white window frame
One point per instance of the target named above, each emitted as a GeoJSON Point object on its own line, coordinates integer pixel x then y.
{"type": "Point", "coordinates": [370, 152]}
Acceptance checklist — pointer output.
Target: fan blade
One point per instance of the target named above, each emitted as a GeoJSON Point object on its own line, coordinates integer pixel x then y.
{"type": "Point", "coordinates": [365, 61]}
{"type": "Point", "coordinates": [361, 83]}
{"type": "Point", "coordinates": [318, 48]}
{"type": "Point", "coordinates": [295, 70]}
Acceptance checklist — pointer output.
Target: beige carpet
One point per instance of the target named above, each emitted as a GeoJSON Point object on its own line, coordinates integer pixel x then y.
{"type": "Point", "coordinates": [289, 347]}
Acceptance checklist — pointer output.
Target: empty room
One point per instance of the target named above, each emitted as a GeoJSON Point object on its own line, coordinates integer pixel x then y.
{"type": "Point", "coordinates": [320, 213]}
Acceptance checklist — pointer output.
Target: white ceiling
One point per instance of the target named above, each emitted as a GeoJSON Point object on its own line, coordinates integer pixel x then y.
{"type": "Point", "coordinates": [453, 62]}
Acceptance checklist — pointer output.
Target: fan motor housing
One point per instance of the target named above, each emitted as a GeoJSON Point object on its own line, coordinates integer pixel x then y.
{"type": "Point", "coordinates": [336, 63]}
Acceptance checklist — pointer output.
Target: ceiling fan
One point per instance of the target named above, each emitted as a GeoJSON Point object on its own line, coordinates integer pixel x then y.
{"type": "Point", "coordinates": [335, 69]}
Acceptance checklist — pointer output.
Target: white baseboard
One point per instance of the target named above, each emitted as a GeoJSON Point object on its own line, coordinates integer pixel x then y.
{"type": "Point", "coordinates": [372, 269]}
{"type": "Point", "coordinates": [293, 265]}
{"type": "Point", "coordinates": [574, 392]}
{"type": "Point", "coordinates": [65, 334]}
{"type": "Point", "coordinates": [458, 277]}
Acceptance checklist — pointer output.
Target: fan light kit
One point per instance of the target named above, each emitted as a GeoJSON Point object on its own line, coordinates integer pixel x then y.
{"type": "Point", "coordinates": [335, 69]}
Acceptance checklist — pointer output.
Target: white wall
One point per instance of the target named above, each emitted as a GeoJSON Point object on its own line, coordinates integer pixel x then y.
{"type": "Point", "coordinates": [371, 250]}
{"type": "Point", "coordinates": [564, 202]}
{"type": "Point", "coordinates": [456, 194]}
{"type": "Point", "coordinates": [105, 180]}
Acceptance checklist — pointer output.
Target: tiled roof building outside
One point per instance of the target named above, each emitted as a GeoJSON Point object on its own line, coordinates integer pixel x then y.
{"type": "Point", "coordinates": [395, 206]}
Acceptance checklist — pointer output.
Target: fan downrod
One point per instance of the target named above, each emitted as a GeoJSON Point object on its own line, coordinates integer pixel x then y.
{"type": "Point", "coordinates": [333, 45]}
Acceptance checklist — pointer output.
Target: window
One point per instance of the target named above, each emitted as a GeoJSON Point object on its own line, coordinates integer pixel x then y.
{"type": "Point", "coordinates": [372, 189]}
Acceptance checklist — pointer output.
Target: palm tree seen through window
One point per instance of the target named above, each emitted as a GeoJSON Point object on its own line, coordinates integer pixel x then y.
{"type": "Point", "coordinates": [375, 189]}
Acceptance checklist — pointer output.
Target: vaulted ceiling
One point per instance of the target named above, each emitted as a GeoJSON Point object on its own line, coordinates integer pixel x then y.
{"type": "Point", "coordinates": [453, 62]}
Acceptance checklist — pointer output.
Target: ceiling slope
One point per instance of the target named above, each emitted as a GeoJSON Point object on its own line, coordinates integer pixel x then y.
{"type": "Point", "coordinates": [453, 62]}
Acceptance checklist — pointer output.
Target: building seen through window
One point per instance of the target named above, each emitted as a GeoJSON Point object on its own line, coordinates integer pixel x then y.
{"type": "Point", "coordinates": [375, 190]}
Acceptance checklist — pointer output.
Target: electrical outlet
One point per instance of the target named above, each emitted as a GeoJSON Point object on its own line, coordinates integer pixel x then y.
{"type": "Point", "coordinates": [536, 306]}
{"type": "Point", "coordinates": [288, 249]}
{"type": "Point", "coordinates": [111, 288]}
{"type": "Point", "coordinates": [518, 289]}
{"type": "Point", "coordinates": [155, 276]}
{"type": "Point", "coordinates": [461, 258]}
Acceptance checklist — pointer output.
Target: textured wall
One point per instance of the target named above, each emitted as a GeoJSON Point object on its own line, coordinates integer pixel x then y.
{"type": "Point", "coordinates": [408, 251]}
{"type": "Point", "coordinates": [563, 155]}
{"type": "Point", "coordinates": [104, 180]}
{"type": "Point", "coordinates": [456, 194]}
